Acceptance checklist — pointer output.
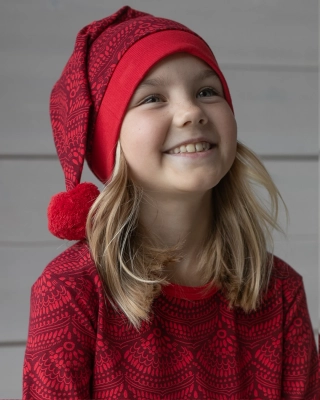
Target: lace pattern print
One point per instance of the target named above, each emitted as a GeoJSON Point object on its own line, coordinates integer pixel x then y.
{"type": "Point", "coordinates": [193, 347]}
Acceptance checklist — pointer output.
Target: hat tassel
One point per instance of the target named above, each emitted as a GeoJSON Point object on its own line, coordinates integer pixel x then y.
{"type": "Point", "coordinates": [68, 211]}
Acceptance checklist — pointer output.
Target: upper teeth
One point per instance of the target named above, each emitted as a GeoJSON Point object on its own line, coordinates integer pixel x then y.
{"type": "Point", "coordinates": [191, 148]}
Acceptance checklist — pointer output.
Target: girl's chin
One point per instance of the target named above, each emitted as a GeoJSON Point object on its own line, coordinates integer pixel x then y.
{"type": "Point", "coordinates": [179, 183]}
{"type": "Point", "coordinates": [196, 186]}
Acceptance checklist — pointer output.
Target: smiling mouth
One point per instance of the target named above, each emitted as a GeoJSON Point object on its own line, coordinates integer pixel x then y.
{"type": "Point", "coordinates": [192, 148]}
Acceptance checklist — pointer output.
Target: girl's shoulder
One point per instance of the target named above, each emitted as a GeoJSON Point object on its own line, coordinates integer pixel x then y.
{"type": "Point", "coordinates": [283, 271]}
{"type": "Point", "coordinates": [69, 285]}
{"type": "Point", "coordinates": [287, 283]}
{"type": "Point", "coordinates": [75, 259]}
{"type": "Point", "coordinates": [73, 269]}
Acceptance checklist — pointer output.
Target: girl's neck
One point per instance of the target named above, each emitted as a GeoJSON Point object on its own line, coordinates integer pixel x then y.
{"type": "Point", "coordinates": [179, 221]}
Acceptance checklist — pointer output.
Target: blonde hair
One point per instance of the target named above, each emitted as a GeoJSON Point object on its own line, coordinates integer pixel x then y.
{"type": "Point", "coordinates": [235, 257]}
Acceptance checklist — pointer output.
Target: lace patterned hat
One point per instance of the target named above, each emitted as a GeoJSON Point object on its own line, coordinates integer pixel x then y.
{"type": "Point", "coordinates": [89, 101]}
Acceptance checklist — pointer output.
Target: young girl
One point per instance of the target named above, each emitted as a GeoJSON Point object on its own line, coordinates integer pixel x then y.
{"type": "Point", "coordinates": [170, 292]}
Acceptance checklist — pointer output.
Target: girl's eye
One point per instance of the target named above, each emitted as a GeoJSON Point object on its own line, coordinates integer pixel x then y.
{"type": "Point", "coordinates": [208, 92]}
{"type": "Point", "coordinates": [153, 98]}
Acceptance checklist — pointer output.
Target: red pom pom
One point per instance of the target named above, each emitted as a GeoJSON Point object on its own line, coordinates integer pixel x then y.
{"type": "Point", "coordinates": [68, 211]}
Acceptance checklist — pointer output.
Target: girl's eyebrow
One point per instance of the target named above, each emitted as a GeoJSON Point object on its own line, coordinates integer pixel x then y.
{"type": "Point", "coordinates": [161, 81]}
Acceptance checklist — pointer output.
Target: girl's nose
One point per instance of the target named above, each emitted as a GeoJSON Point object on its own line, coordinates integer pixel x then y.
{"type": "Point", "coordinates": [189, 114]}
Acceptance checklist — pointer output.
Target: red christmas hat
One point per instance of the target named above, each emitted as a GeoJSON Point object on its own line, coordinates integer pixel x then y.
{"type": "Point", "coordinates": [88, 103]}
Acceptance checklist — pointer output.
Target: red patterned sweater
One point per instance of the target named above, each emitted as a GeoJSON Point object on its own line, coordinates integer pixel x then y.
{"type": "Point", "coordinates": [194, 347]}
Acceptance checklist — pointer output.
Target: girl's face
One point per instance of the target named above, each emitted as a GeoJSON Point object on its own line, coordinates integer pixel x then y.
{"type": "Point", "coordinates": [179, 134]}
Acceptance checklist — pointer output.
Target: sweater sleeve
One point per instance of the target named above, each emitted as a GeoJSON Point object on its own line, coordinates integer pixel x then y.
{"type": "Point", "coordinates": [61, 339]}
{"type": "Point", "coordinates": [300, 364]}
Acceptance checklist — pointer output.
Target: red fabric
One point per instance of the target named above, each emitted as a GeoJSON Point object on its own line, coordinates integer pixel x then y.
{"type": "Point", "coordinates": [188, 292]}
{"type": "Point", "coordinates": [129, 72]}
{"type": "Point", "coordinates": [77, 95]}
{"type": "Point", "coordinates": [68, 211]}
{"type": "Point", "coordinates": [80, 348]}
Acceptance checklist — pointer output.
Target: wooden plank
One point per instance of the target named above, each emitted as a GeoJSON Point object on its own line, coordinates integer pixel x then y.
{"type": "Point", "coordinates": [21, 266]}
{"type": "Point", "coordinates": [276, 110]}
{"type": "Point", "coordinates": [26, 188]}
{"type": "Point", "coordinates": [11, 365]}
{"type": "Point", "coordinates": [298, 185]}
{"type": "Point", "coordinates": [249, 31]}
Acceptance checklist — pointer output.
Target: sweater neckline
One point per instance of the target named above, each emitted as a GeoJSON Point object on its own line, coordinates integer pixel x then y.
{"type": "Point", "coordinates": [189, 292]}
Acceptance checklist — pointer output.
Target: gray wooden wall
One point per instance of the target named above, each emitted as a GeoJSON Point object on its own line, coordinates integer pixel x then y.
{"type": "Point", "coordinates": [268, 51]}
